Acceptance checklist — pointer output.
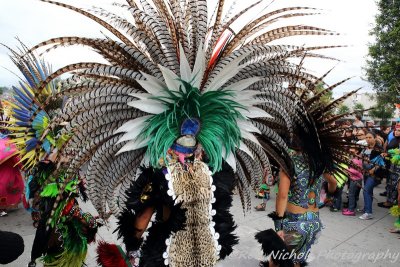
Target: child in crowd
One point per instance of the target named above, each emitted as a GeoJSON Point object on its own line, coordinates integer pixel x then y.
{"type": "Point", "coordinates": [355, 183]}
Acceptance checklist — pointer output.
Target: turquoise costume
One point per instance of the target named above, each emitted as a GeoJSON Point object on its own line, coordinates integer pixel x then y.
{"type": "Point", "coordinates": [301, 230]}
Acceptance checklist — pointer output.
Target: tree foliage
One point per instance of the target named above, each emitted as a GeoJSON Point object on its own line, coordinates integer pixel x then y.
{"type": "Point", "coordinates": [327, 97]}
{"type": "Point", "coordinates": [384, 108]}
{"type": "Point", "coordinates": [358, 106]}
{"type": "Point", "coordinates": [383, 65]}
{"type": "Point", "coordinates": [343, 109]}
{"type": "Point", "coordinates": [3, 89]}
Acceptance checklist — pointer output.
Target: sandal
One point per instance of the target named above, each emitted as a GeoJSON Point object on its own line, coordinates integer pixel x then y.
{"type": "Point", "coordinates": [260, 207]}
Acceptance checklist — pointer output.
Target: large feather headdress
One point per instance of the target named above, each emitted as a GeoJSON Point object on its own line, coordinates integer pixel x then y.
{"type": "Point", "coordinates": [168, 62]}
{"type": "Point", "coordinates": [31, 110]}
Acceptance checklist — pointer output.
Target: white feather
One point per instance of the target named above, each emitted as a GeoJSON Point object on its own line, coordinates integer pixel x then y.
{"type": "Point", "coordinates": [243, 84]}
{"type": "Point", "coordinates": [245, 149]}
{"type": "Point", "coordinates": [254, 112]}
{"type": "Point", "coordinates": [184, 65]}
{"type": "Point", "coordinates": [226, 73]}
{"type": "Point", "coordinates": [247, 126]}
{"type": "Point", "coordinates": [133, 145]}
{"type": "Point", "coordinates": [230, 159]}
{"type": "Point", "coordinates": [145, 161]}
{"type": "Point", "coordinates": [132, 124]}
{"type": "Point", "coordinates": [222, 78]}
{"type": "Point", "coordinates": [152, 85]}
{"type": "Point", "coordinates": [245, 95]}
{"type": "Point", "coordinates": [199, 67]}
{"type": "Point", "coordinates": [132, 134]}
{"type": "Point", "coordinates": [148, 105]}
{"type": "Point", "coordinates": [249, 136]}
{"type": "Point", "coordinates": [171, 79]}
{"type": "Point", "coordinates": [249, 102]}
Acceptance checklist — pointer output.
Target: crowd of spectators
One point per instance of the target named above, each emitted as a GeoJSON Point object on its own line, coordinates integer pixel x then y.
{"type": "Point", "coordinates": [372, 165]}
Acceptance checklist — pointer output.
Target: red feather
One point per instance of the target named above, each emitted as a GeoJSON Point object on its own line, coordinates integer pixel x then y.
{"type": "Point", "coordinates": [109, 255]}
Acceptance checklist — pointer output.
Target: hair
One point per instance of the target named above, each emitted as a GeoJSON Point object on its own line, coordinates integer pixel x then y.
{"type": "Point", "coordinates": [371, 133]}
{"type": "Point", "coordinates": [358, 116]}
{"type": "Point", "coordinates": [295, 143]}
{"type": "Point", "coordinates": [363, 130]}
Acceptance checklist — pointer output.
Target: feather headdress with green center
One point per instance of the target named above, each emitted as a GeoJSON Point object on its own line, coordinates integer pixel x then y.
{"type": "Point", "coordinates": [168, 60]}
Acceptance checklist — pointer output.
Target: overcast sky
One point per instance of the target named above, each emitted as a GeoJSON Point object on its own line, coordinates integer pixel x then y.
{"type": "Point", "coordinates": [33, 21]}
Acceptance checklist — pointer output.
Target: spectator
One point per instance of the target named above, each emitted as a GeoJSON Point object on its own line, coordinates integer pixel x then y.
{"type": "Point", "coordinates": [371, 170]}
{"type": "Point", "coordinates": [385, 130]}
{"type": "Point", "coordinates": [348, 135]}
{"type": "Point", "coordinates": [391, 134]}
{"type": "Point", "coordinates": [357, 121]}
{"type": "Point", "coordinates": [360, 136]}
{"type": "Point", "coordinates": [370, 124]}
{"type": "Point", "coordinates": [393, 176]}
{"type": "Point", "coordinates": [355, 184]}
{"type": "Point", "coordinates": [379, 137]}
{"type": "Point", "coordinates": [346, 124]}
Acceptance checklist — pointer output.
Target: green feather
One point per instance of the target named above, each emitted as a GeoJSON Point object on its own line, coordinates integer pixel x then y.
{"type": "Point", "coordinates": [217, 113]}
{"type": "Point", "coordinates": [50, 190]}
{"type": "Point", "coordinates": [397, 223]}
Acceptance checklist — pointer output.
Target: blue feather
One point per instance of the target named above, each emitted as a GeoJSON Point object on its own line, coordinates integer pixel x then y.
{"type": "Point", "coordinates": [22, 102]}
{"type": "Point", "coordinates": [46, 145]}
{"type": "Point", "coordinates": [31, 144]}
{"type": "Point", "coordinates": [28, 79]}
{"type": "Point", "coordinates": [36, 80]}
{"type": "Point", "coordinates": [23, 124]}
{"type": "Point", "coordinates": [39, 67]}
{"type": "Point", "coordinates": [24, 113]}
{"type": "Point", "coordinates": [22, 95]}
{"type": "Point", "coordinates": [26, 90]}
{"type": "Point", "coordinates": [28, 191]}
{"type": "Point", "coordinates": [21, 118]}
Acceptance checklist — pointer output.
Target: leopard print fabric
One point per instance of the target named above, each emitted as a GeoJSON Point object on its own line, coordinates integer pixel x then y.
{"type": "Point", "coordinates": [197, 244]}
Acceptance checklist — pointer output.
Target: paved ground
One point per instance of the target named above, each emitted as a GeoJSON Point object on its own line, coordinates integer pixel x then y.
{"type": "Point", "coordinates": [344, 240]}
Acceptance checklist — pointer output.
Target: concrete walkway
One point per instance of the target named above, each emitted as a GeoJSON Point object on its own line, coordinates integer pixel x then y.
{"type": "Point", "coordinates": [344, 240]}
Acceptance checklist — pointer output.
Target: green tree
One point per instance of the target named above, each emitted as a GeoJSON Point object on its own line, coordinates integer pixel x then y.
{"type": "Point", "coordinates": [384, 108]}
{"type": "Point", "coordinates": [3, 89]}
{"type": "Point", "coordinates": [383, 65]}
{"type": "Point", "coordinates": [343, 109]}
{"type": "Point", "coordinates": [358, 107]}
{"type": "Point", "coordinates": [327, 97]}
